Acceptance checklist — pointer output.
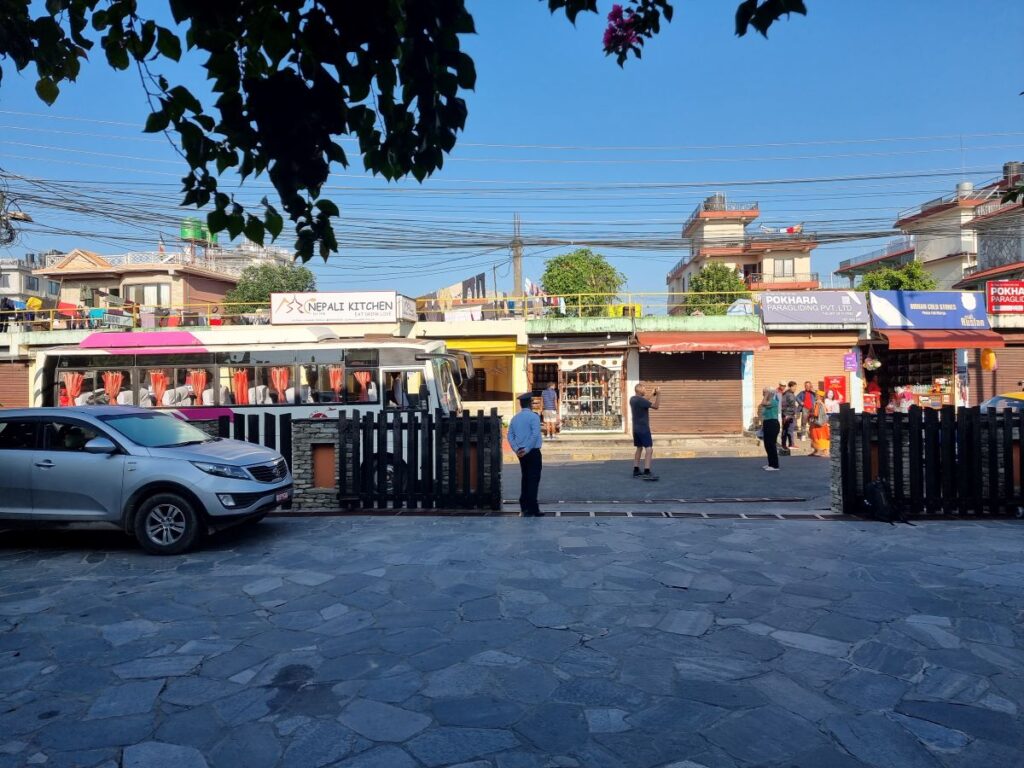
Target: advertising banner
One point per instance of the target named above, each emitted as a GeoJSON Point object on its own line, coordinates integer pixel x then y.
{"type": "Point", "coordinates": [814, 307]}
{"type": "Point", "coordinates": [1005, 297]}
{"type": "Point", "coordinates": [340, 307]}
{"type": "Point", "coordinates": [928, 310]}
{"type": "Point", "coordinates": [838, 386]}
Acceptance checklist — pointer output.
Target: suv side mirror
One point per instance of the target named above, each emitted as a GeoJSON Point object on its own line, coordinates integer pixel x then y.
{"type": "Point", "coordinates": [100, 445]}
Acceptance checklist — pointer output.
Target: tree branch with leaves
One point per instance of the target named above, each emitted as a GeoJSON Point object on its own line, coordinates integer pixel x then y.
{"type": "Point", "coordinates": [290, 78]}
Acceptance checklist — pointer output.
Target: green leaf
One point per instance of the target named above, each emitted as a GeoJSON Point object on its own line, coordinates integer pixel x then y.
{"type": "Point", "coordinates": [47, 90]}
{"type": "Point", "coordinates": [328, 208]}
{"type": "Point", "coordinates": [156, 122]}
{"type": "Point", "coordinates": [168, 44]}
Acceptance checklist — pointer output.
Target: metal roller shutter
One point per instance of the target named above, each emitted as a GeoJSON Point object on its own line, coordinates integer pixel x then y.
{"type": "Point", "coordinates": [1009, 370]}
{"type": "Point", "coordinates": [797, 364]}
{"type": "Point", "coordinates": [14, 385]}
{"type": "Point", "coordinates": [701, 392]}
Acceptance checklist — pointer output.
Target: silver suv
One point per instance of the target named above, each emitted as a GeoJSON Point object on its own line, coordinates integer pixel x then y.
{"type": "Point", "coordinates": [152, 474]}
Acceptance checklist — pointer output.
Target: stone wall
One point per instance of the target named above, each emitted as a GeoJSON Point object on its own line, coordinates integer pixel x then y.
{"type": "Point", "coordinates": [307, 433]}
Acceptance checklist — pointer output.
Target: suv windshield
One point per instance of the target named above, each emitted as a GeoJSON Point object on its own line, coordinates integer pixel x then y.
{"type": "Point", "coordinates": [1002, 402]}
{"type": "Point", "coordinates": [155, 430]}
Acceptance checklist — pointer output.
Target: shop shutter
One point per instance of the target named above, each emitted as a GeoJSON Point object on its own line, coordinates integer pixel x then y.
{"type": "Point", "coordinates": [1009, 371]}
{"type": "Point", "coordinates": [797, 364]}
{"type": "Point", "coordinates": [701, 392]}
{"type": "Point", "coordinates": [14, 385]}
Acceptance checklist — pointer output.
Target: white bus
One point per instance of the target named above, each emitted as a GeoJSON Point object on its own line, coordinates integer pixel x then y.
{"type": "Point", "coordinates": [203, 374]}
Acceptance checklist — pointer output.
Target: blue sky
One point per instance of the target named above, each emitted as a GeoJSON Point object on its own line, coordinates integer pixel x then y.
{"type": "Point", "coordinates": [591, 152]}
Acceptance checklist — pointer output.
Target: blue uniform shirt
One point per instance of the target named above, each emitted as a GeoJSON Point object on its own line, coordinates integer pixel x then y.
{"type": "Point", "coordinates": [524, 431]}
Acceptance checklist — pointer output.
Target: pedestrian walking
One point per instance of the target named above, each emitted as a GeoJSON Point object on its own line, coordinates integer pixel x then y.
{"type": "Point", "coordinates": [769, 412]}
{"type": "Point", "coordinates": [821, 432]}
{"type": "Point", "coordinates": [550, 409]}
{"type": "Point", "coordinates": [790, 409]}
{"type": "Point", "coordinates": [807, 400]}
{"type": "Point", "coordinates": [640, 408]}
{"type": "Point", "coordinates": [6, 310]}
{"type": "Point", "coordinates": [525, 438]}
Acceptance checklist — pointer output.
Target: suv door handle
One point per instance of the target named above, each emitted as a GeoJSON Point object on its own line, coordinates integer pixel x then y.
{"type": "Point", "coordinates": [47, 464]}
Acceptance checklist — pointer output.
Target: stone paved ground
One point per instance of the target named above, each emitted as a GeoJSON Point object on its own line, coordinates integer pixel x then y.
{"type": "Point", "coordinates": [518, 643]}
{"type": "Point", "coordinates": [803, 483]}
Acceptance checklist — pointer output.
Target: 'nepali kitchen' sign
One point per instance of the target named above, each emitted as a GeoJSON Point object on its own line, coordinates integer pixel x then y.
{"type": "Point", "coordinates": [1006, 297]}
{"type": "Point", "coordinates": [340, 307]}
{"type": "Point", "coordinates": [928, 310]}
{"type": "Point", "coordinates": [814, 307]}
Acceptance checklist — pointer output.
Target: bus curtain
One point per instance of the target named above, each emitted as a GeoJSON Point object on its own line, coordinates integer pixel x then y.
{"type": "Point", "coordinates": [73, 383]}
{"type": "Point", "coordinates": [158, 383]}
{"type": "Point", "coordinates": [335, 373]}
{"type": "Point", "coordinates": [363, 377]}
{"type": "Point", "coordinates": [198, 380]}
{"type": "Point", "coordinates": [240, 386]}
{"type": "Point", "coordinates": [279, 380]}
{"type": "Point", "coordinates": [112, 381]}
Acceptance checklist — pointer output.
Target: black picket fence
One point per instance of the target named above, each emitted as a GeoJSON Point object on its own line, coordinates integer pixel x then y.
{"type": "Point", "coordinates": [950, 462]}
{"type": "Point", "coordinates": [276, 430]}
{"type": "Point", "coordinates": [417, 460]}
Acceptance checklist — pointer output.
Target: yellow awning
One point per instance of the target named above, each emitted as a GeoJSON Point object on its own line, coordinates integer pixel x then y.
{"type": "Point", "coordinates": [486, 345]}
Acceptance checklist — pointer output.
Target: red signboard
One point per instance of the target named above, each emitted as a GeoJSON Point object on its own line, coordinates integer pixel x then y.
{"type": "Point", "coordinates": [1006, 297]}
{"type": "Point", "coordinates": [838, 386]}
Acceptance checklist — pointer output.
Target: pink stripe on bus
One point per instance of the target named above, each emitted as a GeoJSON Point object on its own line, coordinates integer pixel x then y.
{"type": "Point", "coordinates": [147, 339]}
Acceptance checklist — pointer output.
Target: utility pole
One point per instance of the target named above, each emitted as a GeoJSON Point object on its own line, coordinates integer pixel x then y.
{"type": "Point", "coordinates": [517, 261]}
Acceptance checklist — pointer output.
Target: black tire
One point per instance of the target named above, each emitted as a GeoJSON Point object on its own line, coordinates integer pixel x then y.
{"type": "Point", "coordinates": [167, 524]}
{"type": "Point", "coordinates": [395, 475]}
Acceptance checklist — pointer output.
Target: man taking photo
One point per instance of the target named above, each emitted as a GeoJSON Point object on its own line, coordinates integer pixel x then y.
{"type": "Point", "coordinates": [640, 408]}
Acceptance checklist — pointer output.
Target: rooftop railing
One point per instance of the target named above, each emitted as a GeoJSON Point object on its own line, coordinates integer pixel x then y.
{"type": "Point", "coordinates": [986, 191]}
{"type": "Point", "coordinates": [898, 245]}
{"type": "Point", "coordinates": [780, 281]}
{"type": "Point", "coordinates": [717, 202]}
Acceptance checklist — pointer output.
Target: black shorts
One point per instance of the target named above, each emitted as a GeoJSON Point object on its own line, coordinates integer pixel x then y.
{"type": "Point", "coordinates": [642, 438]}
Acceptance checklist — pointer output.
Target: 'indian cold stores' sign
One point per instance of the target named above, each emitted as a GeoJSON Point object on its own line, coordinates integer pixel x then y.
{"type": "Point", "coordinates": [813, 307]}
{"type": "Point", "coordinates": [340, 307]}
{"type": "Point", "coordinates": [1006, 297]}
{"type": "Point", "coordinates": [928, 310]}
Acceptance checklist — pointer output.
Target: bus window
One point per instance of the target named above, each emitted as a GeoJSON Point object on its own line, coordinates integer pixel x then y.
{"type": "Point", "coordinates": [76, 388]}
{"type": "Point", "coordinates": [325, 383]}
{"type": "Point", "coordinates": [260, 384]}
{"type": "Point", "coordinates": [447, 391]}
{"type": "Point", "coordinates": [361, 387]}
{"type": "Point", "coordinates": [403, 389]}
{"type": "Point", "coordinates": [111, 386]}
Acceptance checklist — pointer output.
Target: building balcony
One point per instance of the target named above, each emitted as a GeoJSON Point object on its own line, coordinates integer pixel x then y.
{"type": "Point", "coordinates": [802, 281]}
{"type": "Point", "coordinates": [896, 251]}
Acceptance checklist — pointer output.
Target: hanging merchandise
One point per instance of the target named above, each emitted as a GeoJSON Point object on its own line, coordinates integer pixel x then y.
{"type": "Point", "coordinates": [871, 361]}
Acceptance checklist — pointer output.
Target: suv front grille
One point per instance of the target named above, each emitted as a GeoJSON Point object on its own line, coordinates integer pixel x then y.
{"type": "Point", "coordinates": [269, 473]}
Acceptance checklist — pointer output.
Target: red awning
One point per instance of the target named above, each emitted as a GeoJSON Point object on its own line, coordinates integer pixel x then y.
{"type": "Point", "coordinates": [706, 341]}
{"type": "Point", "coordinates": [959, 339]}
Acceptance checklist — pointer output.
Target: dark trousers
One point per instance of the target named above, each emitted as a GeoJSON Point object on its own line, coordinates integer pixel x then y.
{"type": "Point", "coordinates": [530, 465]}
{"type": "Point", "coordinates": [788, 432]}
{"type": "Point", "coordinates": [771, 434]}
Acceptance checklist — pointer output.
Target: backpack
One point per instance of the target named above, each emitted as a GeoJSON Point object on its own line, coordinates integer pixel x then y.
{"type": "Point", "coordinates": [879, 505]}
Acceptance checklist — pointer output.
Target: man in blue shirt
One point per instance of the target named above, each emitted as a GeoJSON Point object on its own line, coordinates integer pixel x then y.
{"type": "Point", "coordinates": [525, 438]}
{"type": "Point", "coordinates": [550, 399]}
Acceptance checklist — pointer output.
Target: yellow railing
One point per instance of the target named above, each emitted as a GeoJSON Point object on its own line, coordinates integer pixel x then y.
{"type": "Point", "coordinates": [134, 317]}
{"type": "Point", "coordinates": [599, 305]}
{"type": "Point", "coordinates": [588, 305]}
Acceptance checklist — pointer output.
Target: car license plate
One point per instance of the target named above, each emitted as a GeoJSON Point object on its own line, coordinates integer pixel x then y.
{"type": "Point", "coordinates": [283, 496]}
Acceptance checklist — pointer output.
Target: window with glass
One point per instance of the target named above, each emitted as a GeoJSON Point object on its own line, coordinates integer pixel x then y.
{"type": "Point", "coordinates": [5, 281]}
{"type": "Point", "coordinates": [31, 283]}
{"type": "Point", "coordinates": [17, 435]}
{"type": "Point", "coordinates": [784, 267]}
{"type": "Point", "coordinates": [149, 294]}
{"type": "Point", "coordinates": [591, 398]}
{"type": "Point", "coordinates": [67, 436]}
{"type": "Point", "coordinates": [52, 287]}
{"type": "Point", "coordinates": [403, 390]}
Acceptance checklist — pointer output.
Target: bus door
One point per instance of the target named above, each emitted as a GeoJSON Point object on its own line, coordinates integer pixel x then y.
{"type": "Point", "coordinates": [405, 389]}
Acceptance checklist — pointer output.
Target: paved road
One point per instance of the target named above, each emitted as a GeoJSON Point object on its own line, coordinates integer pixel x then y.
{"type": "Point", "coordinates": [801, 486]}
{"type": "Point", "coordinates": [518, 643]}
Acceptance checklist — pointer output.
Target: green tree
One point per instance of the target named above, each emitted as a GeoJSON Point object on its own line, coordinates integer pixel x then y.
{"type": "Point", "coordinates": [586, 280]}
{"type": "Point", "coordinates": [260, 280]}
{"type": "Point", "coordinates": [290, 77]}
{"type": "Point", "coordinates": [910, 277]}
{"type": "Point", "coordinates": [713, 290]}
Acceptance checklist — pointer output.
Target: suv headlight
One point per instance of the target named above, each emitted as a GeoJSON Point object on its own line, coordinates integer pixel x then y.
{"type": "Point", "coordinates": [222, 470]}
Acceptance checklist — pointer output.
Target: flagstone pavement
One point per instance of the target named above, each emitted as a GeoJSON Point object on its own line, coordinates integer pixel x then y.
{"type": "Point", "coordinates": [517, 643]}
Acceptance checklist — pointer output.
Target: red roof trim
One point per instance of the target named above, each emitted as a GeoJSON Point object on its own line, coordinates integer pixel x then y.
{"type": "Point", "coordinates": [952, 339]}
{"type": "Point", "coordinates": [706, 341]}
